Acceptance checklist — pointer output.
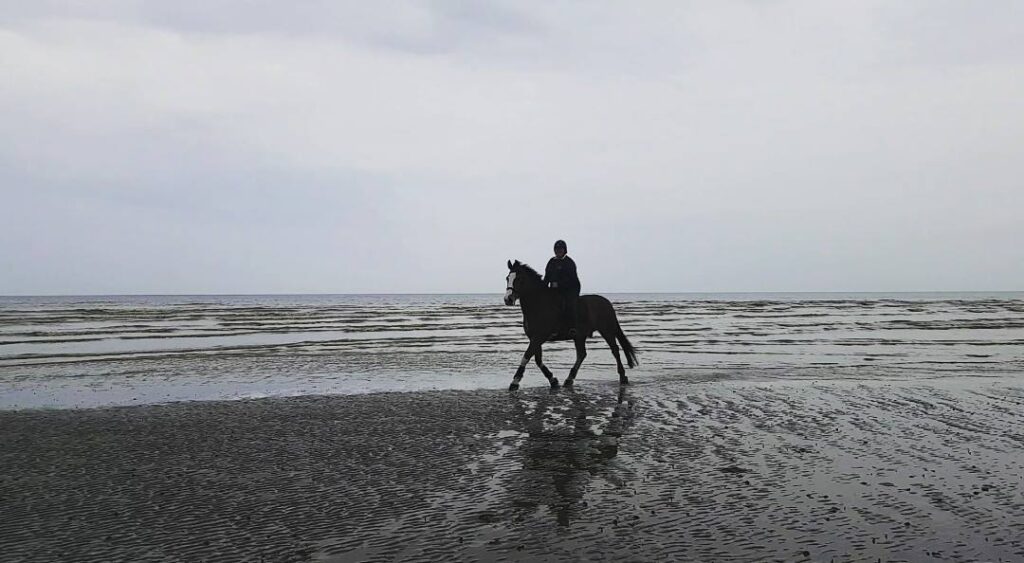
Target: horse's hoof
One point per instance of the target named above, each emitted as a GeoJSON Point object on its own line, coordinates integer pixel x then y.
{"type": "Point", "coordinates": [513, 387]}
{"type": "Point", "coordinates": [554, 383]}
{"type": "Point", "coordinates": [623, 380]}
{"type": "Point", "coordinates": [568, 383]}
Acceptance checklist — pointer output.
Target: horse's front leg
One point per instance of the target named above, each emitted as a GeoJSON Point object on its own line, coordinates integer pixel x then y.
{"type": "Point", "coordinates": [547, 373]}
{"type": "Point", "coordinates": [534, 348]}
{"type": "Point", "coordinates": [581, 354]}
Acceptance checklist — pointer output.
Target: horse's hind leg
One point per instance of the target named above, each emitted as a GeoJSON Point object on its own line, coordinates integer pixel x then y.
{"type": "Point", "coordinates": [581, 354]}
{"type": "Point", "coordinates": [610, 339]}
{"type": "Point", "coordinates": [547, 373]}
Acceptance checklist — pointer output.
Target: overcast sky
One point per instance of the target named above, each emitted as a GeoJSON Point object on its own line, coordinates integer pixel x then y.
{"type": "Point", "coordinates": [371, 147]}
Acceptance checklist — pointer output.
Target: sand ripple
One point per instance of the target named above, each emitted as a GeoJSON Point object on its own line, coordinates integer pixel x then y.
{"type": "Point", "coordinates": [740, 471]}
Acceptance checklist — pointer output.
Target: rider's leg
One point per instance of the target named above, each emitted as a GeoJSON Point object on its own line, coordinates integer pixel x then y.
{"type": "Point", "coordinates": [571, 307]}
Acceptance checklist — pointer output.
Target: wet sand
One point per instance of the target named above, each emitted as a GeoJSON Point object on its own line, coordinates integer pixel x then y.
{"type": "Point", "coordinates": [717, 471]}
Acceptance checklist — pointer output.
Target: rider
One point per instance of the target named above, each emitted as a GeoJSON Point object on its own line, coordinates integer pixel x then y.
{"type": "Point", "coordinates": [560, 274]}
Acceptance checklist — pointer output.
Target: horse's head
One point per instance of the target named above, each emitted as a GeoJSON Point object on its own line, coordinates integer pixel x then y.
{"type": "Point", "coordinates": [512, 284]}
{"type": "Point", "coordinates": [521, 280]}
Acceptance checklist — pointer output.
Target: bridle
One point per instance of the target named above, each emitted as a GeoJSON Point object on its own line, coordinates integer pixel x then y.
{"type": "Point", "coordinates": [510, 290]}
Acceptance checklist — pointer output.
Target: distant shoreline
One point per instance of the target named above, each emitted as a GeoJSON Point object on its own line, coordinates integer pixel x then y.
{"type": "Point", "coordinates": [416, 294]}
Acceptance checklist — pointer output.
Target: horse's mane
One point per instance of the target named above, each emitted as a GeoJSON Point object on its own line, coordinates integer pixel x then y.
{"type": "Point", "coordinates": [528, 270]}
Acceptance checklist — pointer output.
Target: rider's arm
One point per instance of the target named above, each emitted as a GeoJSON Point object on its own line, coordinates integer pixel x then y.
{"type": "Point", "coordinates": [549, 272]}
{"type": "Point", "coordinates": [570, 274]}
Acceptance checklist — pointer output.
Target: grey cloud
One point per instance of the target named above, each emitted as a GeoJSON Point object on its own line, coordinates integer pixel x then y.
{"type": "Point", "coordinates": [415, 147]}
{"type": "Point", "coordinates": [421, 27]}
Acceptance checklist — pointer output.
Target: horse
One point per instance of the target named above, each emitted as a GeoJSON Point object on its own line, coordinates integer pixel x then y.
{"type": "Point", "coordinates": [541, 314]}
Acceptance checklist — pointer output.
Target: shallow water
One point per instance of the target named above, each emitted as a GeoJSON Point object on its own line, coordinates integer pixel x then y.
{"type": "Point", "coordinates": [89, 351]}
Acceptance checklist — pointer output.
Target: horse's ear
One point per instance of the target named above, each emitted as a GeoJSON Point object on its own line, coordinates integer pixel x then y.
{"type": "Point", "coordinates": [509, 264]}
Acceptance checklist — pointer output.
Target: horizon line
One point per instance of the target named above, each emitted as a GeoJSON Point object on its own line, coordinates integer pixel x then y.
{"type": "Point", "coordinates": [397, 293]}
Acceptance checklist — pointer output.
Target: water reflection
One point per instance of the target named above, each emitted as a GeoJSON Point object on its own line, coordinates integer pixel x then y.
{"type": "Point", "coordinates": [570, 438]}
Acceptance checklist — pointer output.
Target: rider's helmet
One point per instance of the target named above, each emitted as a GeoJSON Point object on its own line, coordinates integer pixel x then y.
{"type": "Point", "coordinates": [560, 244]}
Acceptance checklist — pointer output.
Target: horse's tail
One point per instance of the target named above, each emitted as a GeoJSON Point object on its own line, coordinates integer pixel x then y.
{"type": "Point", "coordinates": [627, 348]}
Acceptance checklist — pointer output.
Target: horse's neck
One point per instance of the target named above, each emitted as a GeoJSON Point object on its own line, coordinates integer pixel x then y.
{"type": "Point", "coordinates": [531, 295]}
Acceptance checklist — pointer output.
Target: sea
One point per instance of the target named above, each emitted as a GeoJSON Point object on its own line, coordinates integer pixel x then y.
{"type": "Point", "coordinates": [106, 351]}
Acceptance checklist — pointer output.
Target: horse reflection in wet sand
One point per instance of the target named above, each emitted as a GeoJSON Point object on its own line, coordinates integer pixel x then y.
{"type": "Point", "coordinates": [541, 313]}
{"type": "Point", "coordinates": [570, 440]}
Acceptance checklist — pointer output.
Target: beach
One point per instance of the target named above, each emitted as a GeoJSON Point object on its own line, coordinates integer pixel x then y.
{"type": "Point", "coordinates": [271, 282]}
{"type": "Point", "coordinates": [840, 470]}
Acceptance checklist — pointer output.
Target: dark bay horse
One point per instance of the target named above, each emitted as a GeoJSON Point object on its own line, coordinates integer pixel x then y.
{"type": "Point", "coordinates": [541, 312]}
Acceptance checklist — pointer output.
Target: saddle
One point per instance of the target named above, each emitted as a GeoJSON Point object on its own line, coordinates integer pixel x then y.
{"type": "Point", "coordinates": [564, 324]}
{"type": "Point", "coordinates": [562, 329]}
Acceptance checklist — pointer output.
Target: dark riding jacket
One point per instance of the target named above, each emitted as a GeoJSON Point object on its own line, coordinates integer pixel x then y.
{"type": "Point", "coordinates": [561, 274]}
